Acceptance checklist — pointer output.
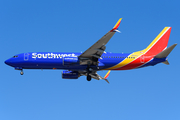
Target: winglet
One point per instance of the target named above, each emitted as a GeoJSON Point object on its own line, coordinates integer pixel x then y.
{"type": "Point", "coordinates": [106, 76]}
{"type": "Point", "coordinates": [116, 26]}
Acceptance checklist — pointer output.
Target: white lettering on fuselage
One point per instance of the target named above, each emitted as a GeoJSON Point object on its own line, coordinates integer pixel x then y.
{"type": "Point", "coordinates": [51, 55]}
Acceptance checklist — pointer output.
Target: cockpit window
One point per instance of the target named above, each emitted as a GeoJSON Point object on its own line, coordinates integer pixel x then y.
{"type": "Point", "coordinates": [15, 56]}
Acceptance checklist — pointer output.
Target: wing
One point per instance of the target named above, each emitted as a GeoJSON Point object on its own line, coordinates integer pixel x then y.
{"type": "Point", "coordinates": [98, 77]}
{"type": "Point", "coordinates": [91, 55]}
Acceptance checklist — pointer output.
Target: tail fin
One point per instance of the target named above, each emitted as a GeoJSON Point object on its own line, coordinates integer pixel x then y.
{"type": "Point", "coordinates": [159, 43]}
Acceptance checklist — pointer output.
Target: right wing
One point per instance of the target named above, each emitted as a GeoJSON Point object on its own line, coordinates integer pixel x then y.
{"type": "Point", "coordinates": [91, 55]}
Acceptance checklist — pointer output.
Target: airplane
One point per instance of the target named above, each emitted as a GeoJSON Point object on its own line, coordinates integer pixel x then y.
{"type": "Point", "coordinates": [95, 58]}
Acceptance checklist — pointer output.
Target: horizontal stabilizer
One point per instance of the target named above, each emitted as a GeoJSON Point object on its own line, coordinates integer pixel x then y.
{"type": "Point", "coordinates": [165, 52]}
{"type": "Point", "coordinates": [166, 62]}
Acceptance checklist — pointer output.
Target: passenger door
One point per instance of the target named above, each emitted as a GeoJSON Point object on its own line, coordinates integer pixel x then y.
{"type": "Point", "coordinates": [26, 56]}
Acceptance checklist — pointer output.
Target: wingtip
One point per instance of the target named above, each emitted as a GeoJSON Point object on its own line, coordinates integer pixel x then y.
{"type": "Point", "coordinates": [117, 24]}
{"type": "Point", "coordinates": [107, 74]}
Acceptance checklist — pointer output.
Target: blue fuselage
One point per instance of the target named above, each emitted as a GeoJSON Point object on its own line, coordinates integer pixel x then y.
{"type": "Point", "coordinates": [59, 60]}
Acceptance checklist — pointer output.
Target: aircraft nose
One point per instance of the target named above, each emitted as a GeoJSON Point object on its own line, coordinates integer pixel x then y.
{"type": "Point", "coordinates": [7, 62]}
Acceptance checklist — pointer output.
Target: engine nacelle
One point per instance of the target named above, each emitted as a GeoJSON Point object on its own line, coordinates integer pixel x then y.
{"type": "Point", "coordinates": [70, 75]}
{"type": "Point", "coordinates": [70, 61]}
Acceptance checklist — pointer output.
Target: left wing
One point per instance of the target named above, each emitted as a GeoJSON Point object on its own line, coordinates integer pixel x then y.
{"type": "Point", "coordinates": [91, 55]}
{"type": "Point", "coordinates": [98, 77]}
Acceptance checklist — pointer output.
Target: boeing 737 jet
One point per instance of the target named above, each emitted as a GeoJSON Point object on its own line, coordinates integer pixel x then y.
{"type": "Point", "coordinates": [95, 58]}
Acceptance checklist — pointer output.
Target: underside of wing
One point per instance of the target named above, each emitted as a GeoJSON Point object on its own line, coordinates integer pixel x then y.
{"type": "Point", "coordinates": [96, 76]}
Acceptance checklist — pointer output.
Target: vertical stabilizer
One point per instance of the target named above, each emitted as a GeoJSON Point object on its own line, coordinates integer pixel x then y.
{"type": "Point", "coordinates": [159, 43]}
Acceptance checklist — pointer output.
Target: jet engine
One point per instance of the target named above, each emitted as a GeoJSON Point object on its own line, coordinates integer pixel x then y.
{"type": "Point", "coordinates": [70, 74]}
